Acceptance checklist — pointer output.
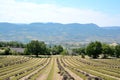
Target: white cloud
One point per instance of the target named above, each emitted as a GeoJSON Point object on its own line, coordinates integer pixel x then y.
{"type": "Point", "coordinates": [24, 12]}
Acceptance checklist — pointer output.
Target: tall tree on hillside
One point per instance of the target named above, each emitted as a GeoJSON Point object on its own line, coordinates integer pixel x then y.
{"type": "Point", "coordinates": [94, 49]}
{"type": "Point", "coordinates": [36, 47]}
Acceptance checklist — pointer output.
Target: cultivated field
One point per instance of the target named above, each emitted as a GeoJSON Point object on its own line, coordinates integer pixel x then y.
{"type": "Point", "coordinates": [58, 68]}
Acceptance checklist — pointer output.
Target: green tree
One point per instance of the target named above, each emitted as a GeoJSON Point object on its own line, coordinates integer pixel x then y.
{"type": "Point", "coordinates": [12, 44]}
{"type": "Point", "coordinates": [106, 50]}
{"type": "Point", "coordinates": [48, 51]}
{"type": "Point", "coordinates": [7, 51]}
{"type": "Point", "coordinates": [80, 51]}
{"type": "Point", "coordinates": [36, 47]}
{"type": "Point", "coordinates": [64, 52]}
{"type": "Point", "coordinates": [57, 49]}
{"type": "Point", "coordinates": [112, 52]}
{"type": "Point", "coordinates": [94, 49]}
{"type": "Point", "coordinates": [117, 51]}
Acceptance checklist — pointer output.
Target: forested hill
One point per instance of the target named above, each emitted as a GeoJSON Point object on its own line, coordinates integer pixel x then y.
{"type": "Point", "coordinates": [57, 32]}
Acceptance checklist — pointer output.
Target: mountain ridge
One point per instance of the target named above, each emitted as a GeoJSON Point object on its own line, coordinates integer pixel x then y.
{"type": "Point", "coordinates": [58, 32]}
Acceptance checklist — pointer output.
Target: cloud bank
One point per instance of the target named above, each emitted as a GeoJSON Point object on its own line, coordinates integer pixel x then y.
{"type": "Point", "coordinates": [26, 12]}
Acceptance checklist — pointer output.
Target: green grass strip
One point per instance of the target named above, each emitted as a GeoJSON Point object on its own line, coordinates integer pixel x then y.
{"type": "Point", "coordinates": [51, 73]}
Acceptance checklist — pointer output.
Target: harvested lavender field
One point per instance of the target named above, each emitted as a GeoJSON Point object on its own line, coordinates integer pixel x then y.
{"type": "Point", "coordinates": [58, 68]}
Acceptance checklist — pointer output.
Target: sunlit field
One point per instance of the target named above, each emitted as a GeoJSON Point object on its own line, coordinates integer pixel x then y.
{"type": "Point", "coordinates": [58, 68]}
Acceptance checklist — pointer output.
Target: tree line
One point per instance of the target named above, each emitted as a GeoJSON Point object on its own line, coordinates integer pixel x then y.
{"type": "Point", "coordinates": [37, 48]}
{"type": "Point", "coordinates": [94, 49]}
{"type": "Point", "coordinates": [97, 49]}
{"type": "Point", "coordinates": [5, 47]}
{"type": "Point", "coordinates": [34, 47]}
{"type": "Point", "coordinates": [13, 44]}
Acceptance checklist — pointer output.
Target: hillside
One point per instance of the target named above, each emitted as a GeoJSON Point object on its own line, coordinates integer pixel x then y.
{"type": "Point", "coordinates": [56, 32]}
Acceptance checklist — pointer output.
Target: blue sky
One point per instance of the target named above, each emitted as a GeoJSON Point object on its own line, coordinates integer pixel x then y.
{"type": "Point", "coordinates": [107, 6]}
{"type": "Point", "coordinates": [100, 12]}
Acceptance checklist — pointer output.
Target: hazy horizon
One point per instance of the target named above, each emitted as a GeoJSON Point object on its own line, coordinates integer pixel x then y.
{"type": "Point", "coordinates": [58, 23]}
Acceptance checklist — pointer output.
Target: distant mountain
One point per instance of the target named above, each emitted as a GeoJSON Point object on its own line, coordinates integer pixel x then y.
{"type": "Point", "coordinates": [56, 32]}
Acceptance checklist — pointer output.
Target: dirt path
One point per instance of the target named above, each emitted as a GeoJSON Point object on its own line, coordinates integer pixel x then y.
{"type": "Point", "coordinates": [56, 70]}
{"type": "Point", "coordinates": [45, 73]}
